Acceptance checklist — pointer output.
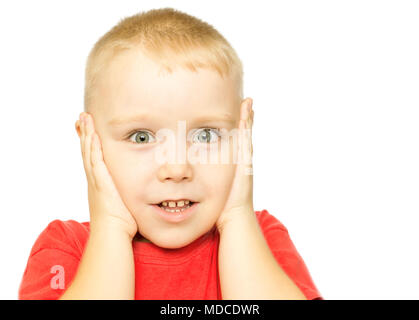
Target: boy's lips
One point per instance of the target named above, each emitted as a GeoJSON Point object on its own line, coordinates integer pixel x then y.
{"type": "Point", "coordinates": [175, 214]}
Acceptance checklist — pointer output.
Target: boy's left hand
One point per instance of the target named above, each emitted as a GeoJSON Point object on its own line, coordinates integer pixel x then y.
{"type": "Point", "coordinates": [240, 200]}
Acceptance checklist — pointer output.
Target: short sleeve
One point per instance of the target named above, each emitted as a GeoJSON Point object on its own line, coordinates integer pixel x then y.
{"type": "Point", "coordinates": [279, 241]}
{"type": "Point", "coordinates": [53, 261]}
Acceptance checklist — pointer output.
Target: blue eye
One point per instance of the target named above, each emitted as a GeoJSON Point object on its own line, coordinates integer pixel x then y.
{"type": "Point", "coordinates": [141, 137]}
{"type": "Point", "coordinates": [208, 135]}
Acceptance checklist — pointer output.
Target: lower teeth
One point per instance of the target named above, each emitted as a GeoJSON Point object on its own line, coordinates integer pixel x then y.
{"type": "Point", "coordinates": [175, 210]}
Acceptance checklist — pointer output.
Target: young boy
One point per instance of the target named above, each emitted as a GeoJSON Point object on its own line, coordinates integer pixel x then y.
{"type": "Point", "coordinates": [166, 229]}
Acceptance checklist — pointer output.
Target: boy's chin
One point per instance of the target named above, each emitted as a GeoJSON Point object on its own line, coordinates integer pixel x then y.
{"type": "Point", "coordinates": [172, 241]}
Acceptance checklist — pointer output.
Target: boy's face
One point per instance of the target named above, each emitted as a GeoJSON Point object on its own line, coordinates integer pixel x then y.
{"type": "Point", "coordinates": [133, 85]}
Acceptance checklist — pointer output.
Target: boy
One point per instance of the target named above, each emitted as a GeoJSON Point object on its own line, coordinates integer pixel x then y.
{"type": "Point", "coordinates": [165, 229]}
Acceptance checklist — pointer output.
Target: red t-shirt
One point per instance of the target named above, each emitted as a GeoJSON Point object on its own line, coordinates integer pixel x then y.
{"type": "Point", "coordinates": [188, 273]}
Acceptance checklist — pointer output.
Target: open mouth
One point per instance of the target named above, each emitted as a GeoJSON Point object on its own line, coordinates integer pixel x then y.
{"type": "Point", "coordinates": [176, 205]}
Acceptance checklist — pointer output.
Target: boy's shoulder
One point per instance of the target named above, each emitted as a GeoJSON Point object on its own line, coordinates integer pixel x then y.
{"type": "Point", "coordinates": [269, 222]}
{"type": "Point", "coordinates": [65, 235]}
{"type": "Point", "coordinates": [285, 252]}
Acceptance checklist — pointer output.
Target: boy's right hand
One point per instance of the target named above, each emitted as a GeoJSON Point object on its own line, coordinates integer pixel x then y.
{"type": "Point", "coordinates": [105, 204]}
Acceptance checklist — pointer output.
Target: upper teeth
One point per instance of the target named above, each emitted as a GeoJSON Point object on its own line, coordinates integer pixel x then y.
{"type": "Point", "coordinates": [173, 204]}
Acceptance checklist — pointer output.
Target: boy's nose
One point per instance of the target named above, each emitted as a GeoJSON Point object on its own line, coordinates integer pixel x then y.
{"type": "Point", "coordinates": [175, 172]}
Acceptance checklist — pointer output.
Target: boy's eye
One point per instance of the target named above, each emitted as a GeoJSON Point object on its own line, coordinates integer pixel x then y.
{"type": "Point", "coordinates": [141, 137]}
{"type": "Point", "coordinates": [205, 136]}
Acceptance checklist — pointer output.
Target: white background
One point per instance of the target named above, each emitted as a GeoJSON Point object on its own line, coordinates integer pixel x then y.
{"type": "Point", "coordinates": [335, 86]}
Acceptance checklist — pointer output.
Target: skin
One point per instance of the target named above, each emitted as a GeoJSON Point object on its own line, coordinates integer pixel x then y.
{"type": "Point", "coordinates": [134, 84]}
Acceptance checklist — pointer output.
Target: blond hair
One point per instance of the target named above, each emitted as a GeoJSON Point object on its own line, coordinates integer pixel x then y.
{"type": "Point", "coordinates": [170, 37]}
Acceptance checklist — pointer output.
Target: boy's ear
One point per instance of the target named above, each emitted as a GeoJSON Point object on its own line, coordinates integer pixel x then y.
{"type": "Point", "coordinates": [77, 125]}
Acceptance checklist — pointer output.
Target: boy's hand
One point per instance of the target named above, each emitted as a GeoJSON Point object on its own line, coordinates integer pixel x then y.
{"type": "Point", "coordinates": [240, 201]}
{"type": "Point", "coordinates": [105, 204]}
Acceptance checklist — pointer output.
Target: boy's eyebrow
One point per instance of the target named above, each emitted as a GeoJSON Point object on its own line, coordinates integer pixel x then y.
{"type": "Point", "coordinates": [142, 117]}
{"type": "Point", "coordinates": [119, 120]}
{"type": "Point", "coordinates": [221, 118]}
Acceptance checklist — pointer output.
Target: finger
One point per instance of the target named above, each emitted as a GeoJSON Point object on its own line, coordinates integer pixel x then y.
{"type": "Point", "coordinates": [94, 158]}
{"type": "Point", "coordinates": [88, 141]}
{"type": "Point", "coordinates": [99, 169]}
{"type": "Point", "coordinates": [98, 165]}
{"type": "Point", "coordinates": [82, 141]}
{"type": "Point", "coordinates": [86, 148]}
{"type": "Point", "coordinates": [237, 135]}
{"type": "Point", "coordinates": [250, 127]}
{"type": "Point", "coordinates": [95, 151]}
{"type": "Point", "coordinates": [244, 112]}
{"type": "Point", "coordinates": [248, 149]}
{"type": "Point", "coordinates": [245, 158]}
{"type": "Point", "coordinates": [249, 117]}
{"type": "Point", "coordinates": [95, 148]}
{"type": "Point", "coordinates": [247, 141]}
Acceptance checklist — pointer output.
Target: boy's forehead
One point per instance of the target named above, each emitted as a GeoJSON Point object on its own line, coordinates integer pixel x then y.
{"type": "Point", "coordinates": [135, 86]}
{"type": "Point", "coordinates": [148, 115]}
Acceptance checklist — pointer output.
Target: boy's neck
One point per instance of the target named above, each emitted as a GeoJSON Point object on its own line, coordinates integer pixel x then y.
{"type": "Point", "coordinates": [138, 237]}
